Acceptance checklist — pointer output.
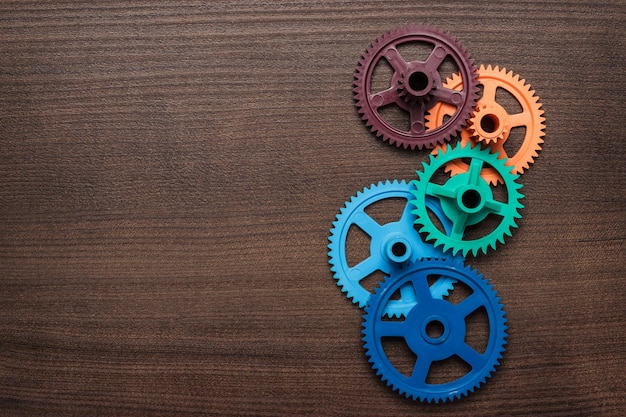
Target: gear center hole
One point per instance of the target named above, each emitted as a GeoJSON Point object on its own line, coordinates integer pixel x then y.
{"type": "Point", "coordinates": [435, 329]}
{"type": "Point", "coordinates": [418, 81]}
{"type": "Point", "coordinates": [471, 199]}
{"type": "Point", "coordinates": [489, 123]}
{"type": "Point", "coordinates": [398, 249]}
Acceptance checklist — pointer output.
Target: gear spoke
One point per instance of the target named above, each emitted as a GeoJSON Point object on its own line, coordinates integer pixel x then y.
{"type": "Point", "coordinates": [383, 98]}
{"type": "Point", "coordinates": [439, 191]}
{"type": "Point", "coordinates": [458, 227]}
{"type": "Point", "coordinates": [496, 207]}
{"type": "Point", "coordinates": [436, 57]}
{"type": "Point", "coordinates": [417, 115]}
{"type": "Point", "coordinates": [420, 370]}
{"type": "Point", "coordinates": [422, 290]}
{"type": "Point", "coordinates": [469, 355]}
{"type": "Point", "coordinates": [407, 215]}
{"type": "Point", "coordinates": [475, 168]}
{"type": "Point", "coordinates": [449, 96]}
{"type": "Point", "coordinates": [520, 119]}
{"type": "Point", "coordinates": [364, 268]}
{"type": "Point", "coordinates": [489, 91]}
{"type": "Point", "coordinates": [366, 223]}
{"type": "Point", "coordinates": [407, 293]}
{"type": "Point", "coordinates": [395, 59]}
{"type": "Point", "coordinates": [470, 304]}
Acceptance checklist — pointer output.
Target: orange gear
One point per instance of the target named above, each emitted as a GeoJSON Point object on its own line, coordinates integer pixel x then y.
{"type": "Point", "coordinates": [491, 124]}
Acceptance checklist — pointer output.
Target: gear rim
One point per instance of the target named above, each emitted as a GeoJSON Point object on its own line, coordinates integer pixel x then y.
{"type": "Point", "coordinates": [452, 193]}
{"type": "Point", "coordinates": [402, 230]}
{"type": "Point", "coordinates": [375, 328]}
{"type": "Point", "coordinates": [407, 98]}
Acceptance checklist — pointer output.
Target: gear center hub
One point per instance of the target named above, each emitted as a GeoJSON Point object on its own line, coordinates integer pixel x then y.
{"type": "Point", "coordinates": [489, 123]}
{"type": "Point", "coordinates": [419, 83]}
{"type": "Point", "coordinates": [435, 329]}
{"type": "Point", "coordinates": [470, 200]}
{"type": "Point", "coordinates": [397, 249]}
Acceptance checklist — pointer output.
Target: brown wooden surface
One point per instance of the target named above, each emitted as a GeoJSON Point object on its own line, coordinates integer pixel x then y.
{"type": "Point", "coordinates": [168, 178]}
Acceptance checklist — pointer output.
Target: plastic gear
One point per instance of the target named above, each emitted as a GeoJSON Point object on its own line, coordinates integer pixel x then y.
{"type": "Point", "coordinates": [415, 86]}
{"type": "Point", "coordinates": [432, 348]}
{"type": "Point", "coordinates": [491, 124]}
{"type": "Point", "coordinates": [392, 245]}
{"type": "Point", "coordinates": [466, 200]}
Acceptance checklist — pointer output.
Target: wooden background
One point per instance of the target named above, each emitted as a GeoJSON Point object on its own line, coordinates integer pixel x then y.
{"type": "Point", "coordinates": [169, 173]}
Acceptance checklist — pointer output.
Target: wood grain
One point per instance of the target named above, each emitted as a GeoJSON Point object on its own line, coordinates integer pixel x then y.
{"type": "Point", "coordinates": [170, 171]}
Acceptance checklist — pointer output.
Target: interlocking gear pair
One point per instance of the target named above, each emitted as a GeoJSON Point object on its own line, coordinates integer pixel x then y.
{"type": "Point", "coordinates": [459, 190]}
{"type": "Point", "coordinates": [438, 110]}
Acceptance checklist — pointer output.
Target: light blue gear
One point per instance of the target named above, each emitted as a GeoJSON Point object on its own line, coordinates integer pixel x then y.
{"type": "Point", "coordinates": [461, 212]}
{"type": "Point", "coordinates": [392, 245]}
{"type": "Point", "coordinates": [429, 349]}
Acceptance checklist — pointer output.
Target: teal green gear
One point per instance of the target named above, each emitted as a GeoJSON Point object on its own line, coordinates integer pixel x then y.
{"type": "Point", "coordinates": [466, 200]}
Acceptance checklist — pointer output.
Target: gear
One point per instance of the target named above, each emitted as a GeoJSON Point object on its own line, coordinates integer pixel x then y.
{"type": "Point", "coordinates": [466, 200]}
{"type": "Point", "coordinates": [415, 86]}
{"type": "Point", "coordinates": [391, 245]}
{"type": "Point", "coordinates": [416, 331]}
{"type": "Point", "coordinates": [491, 123]}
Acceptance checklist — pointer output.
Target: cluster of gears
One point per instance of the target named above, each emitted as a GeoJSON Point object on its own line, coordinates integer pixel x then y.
{"type": "Point", "coordinates": [465, 201]}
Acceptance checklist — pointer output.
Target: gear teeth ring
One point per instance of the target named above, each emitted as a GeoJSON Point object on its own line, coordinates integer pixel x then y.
{"type": "Point", "coordinates": [466, 200]}
{"type": "Point", "coordinates": [392, 245]}
{"type": "Point", "coordinates": [429, 348]}
{"type": "Point", "coordinates": [415, 86]}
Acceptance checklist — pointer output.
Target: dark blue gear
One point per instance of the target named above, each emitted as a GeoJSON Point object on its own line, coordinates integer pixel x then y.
{"type": "Point", "coordinates": [427, 348]}
{"type": "Point", "coordinates": [392, 244]}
